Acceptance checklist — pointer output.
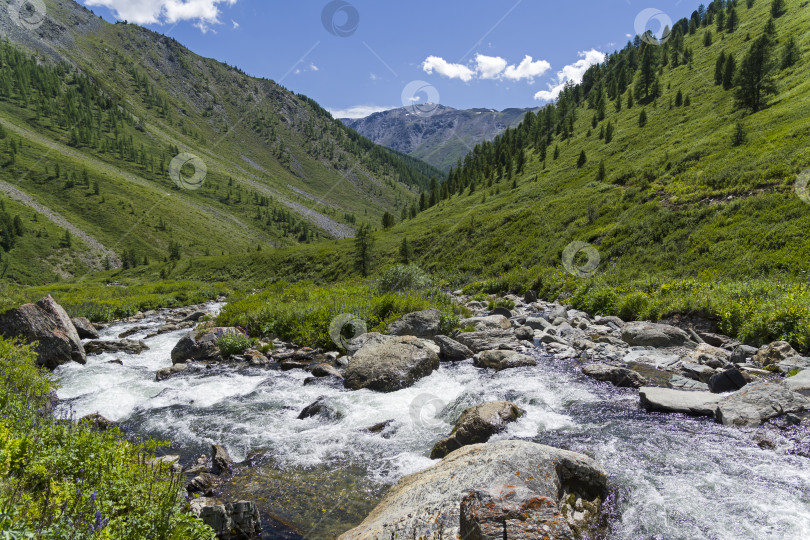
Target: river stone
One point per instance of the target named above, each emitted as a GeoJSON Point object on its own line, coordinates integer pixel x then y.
{"type": "Point", "coordinates": [451, 350]}
{"type": "Point", "coordinates": [799, 363]}
{"type": "Point", "coordinates": [615, 321]}
{"type": "Point", "coordinates": [168, 373]}
{"type": "Point", "coordinates": [488, 340]}
{"type": "Point", "coordinates": [47, 324]}
{"type": "Point", "coordinates": [727, 381]}
{"type": "Point", "coordinates": [682, 383]}
{"type": "Point", "coordinates": [678, 401]}
{"type": "Point", "coordinates": [97, 421]}
{"type": "Point", "coordinates": [231, 521]}
{"type": "Point", "coordinates": [84, 328]}
{"type": "Point", "coordinates": [392, 365]}
{"type": "Point", "coordinates": [800, 382]}
{"type": "Point", "coordinates": [773, 353]}
{"type": "Point", "coordinates": [698, 372]}
{"type": "Point", "coordinates": [201, 346]}
{"type": "Point", "coordinates": [128, 346]}
{"type": "Point", "coordinates": [742, 353]}
{"type": "Point", "coordinates": [476, 425]}
{"type": "Point", "coordinates": [221, 461]}
{"type": "Point", "coordinates": [511, 512]}
{"type": "Point", "coordinates": [369, 338]}
{"type": "Point", "coordinates": [501, 311]}
{"type": "Point", "coordinates": [500, 360]}
{"type": "Point", "coordinates": [419, 501]}
{"type": "Point", "coordinates": [538, 323]}
{"type": "Point", "coordinates": [326, 370]}
{"type": "Point", "coordinates": [618, 376]}
{"type": "Point", "coordinates": [321, 408]}
{"type": "Point", "coordinates": [708, 355]}
{"type": "Point", "coordinates": [647, 334]}
{"type": "Point", "coordinates": [423, 324]}
{"type": "Point", "coordinates": [758, 402]}
{"type": "Point", "coordinates": [530, 297]}
{"type": "Point", "coordinates": [482, 324]}
{"type": "Point", "coordinates": [203, 483]}
{"type": "Point", "coordinates": [558, 312]}
{"type": "Point", "coordinates": [524, 333]}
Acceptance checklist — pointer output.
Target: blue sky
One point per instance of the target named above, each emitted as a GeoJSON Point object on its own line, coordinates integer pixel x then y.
{"type": "Point", "coordinates": [358, 56]}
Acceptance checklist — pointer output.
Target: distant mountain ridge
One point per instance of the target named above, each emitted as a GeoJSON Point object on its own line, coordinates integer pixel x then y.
{"type": "Point", "coordinates": [440, 137]}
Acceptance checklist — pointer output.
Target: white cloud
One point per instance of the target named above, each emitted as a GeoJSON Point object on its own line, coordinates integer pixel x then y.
{"type": "Point", "coordinates": [446, 69]}
{"type": "Point", "coordinates": [358, 111]}
{"type": "Point", "coordinates": [373, 77]}
{"type": "Point", "coordinates": [490, 67]}
{"type": "Point", "coordinates": [313, 67]}
{"type": "Point", "coordinates": [571, 73]}
{"type": "Point", "coordinates": [235, 24]}
{"type": "Point", "coordinates": [203, 12]}
{"type": "Point", "coordinates": [528, 69]}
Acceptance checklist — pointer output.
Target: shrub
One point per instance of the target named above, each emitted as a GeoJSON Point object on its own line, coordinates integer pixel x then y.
{"type": "Point", "coordinates": [402, 277]}
{"type": "Point", "coordinates": [232, 344]}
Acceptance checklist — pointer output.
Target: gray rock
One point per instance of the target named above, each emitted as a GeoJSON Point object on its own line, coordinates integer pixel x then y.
{"type": "Point", "coordinates": [698, 372]}
{"type": "Point", "coordinates": [491, 322]}
{"type": "Point", "coordinates": [392, 365]}
{"type": "Point", "coordinates": [530, 296]}
{"type": "Point", "coordinates": [419, 500]}
{"type": "Point", "coordinates": [618, 376]}
{"type": "Point", "coordinates": [616, 321]}
{"type": "Point", "coordinates": [476, 425]}
{"type": "Point", "coordinates": [647, 334]}
{"type": "Point", "coordinates": [800, 382]}
{"type": "Point", "coordinates": [500, 360]}
{"type": "Point", "coordinates": [538, 323]}
{"type": "Point", "coordinates": [194, 317]}
{"type": "Point", "coordinates": [84, 328]}
{"type": "Point", "coordinates": [231, 521]}
{"type": "Point", "coordinates": [558, 312]}
{"type": "Point", "coordinates": [97, 421]}
{"type": "Point", "coordinates": [501, 311]}
{"type": "Point", "coordinates": [129, 346]}
{"type": "Point", "coordinates": [678, 401]}
{"type": "Point", "coordinates": [729, 380]}
{"type": "Point", "coordinates": [203, 483]}
{"type": "Point", "coordinates": [799, 363]}
{"type": "Point", "coordinates": [369, 338]}
{"type": "Point", "coordinates": [221, 461]}
{"type": "Point", "coordinates": [774, 353]}
{"type": "Point", "coordinates": [451, 350]}
{"type": "Point", "coordinates": [168, 373]}
{"type": "Point", "coordinates": [758, 402]}
{"type": "Point", "coordinates": [525, 333]}
{"type": "Point", "coordinates": [424, 324]}
{"type": "Point", "coordinates": [319, 407]}
{"type": "Point", "coordinates": [325, 370]}
{"type": "Point", "coordinates": [191, 349]}
{"type": "Point", "coordinates": [610, 340]}
{"type": "Point", "coordinates": [742, 353]}
{"type": "Point", "coordinates": [488, 340]}
{"type": "Point", "coordinates": [708, 355]}
{"type": "Point", "coordinates": [47, 324]}
{"type": "Point", "coordinates": [682, 383]}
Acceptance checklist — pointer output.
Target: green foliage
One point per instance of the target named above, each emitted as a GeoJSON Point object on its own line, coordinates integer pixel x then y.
{"type": "Point", "coordinates": [402, 277]}
{"type": "Point", "coordinates": [363, 244]}
{"type": "Point", "coordinates": [754, 80]}
{"type": "Point", "coordinates": [232, 344]}
{"type": "Point", "coordinates": [739, 135]}
{"type": "Point", "coordinates": [62, 479]}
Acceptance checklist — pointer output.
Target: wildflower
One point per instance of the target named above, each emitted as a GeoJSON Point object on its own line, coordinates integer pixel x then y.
{"type": "Point", "coordinates": [93, 496]}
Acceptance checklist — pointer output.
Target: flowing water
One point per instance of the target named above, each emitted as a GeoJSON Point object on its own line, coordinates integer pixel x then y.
{"type": "Point", "coordinates": [676, 477]}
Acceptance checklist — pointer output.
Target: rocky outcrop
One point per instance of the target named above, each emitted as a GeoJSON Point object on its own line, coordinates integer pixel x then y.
{"type": "Point", "coordinates": [618, 376]}
{"type": "Point", "coordinates": [758, 402]}
{"type": "Point", "coordinates": [230, 521]}
{"type": "Point", "coordinates": [488, 340]}
{"type": "Point", "coordinates": [678, 401]}
{"type": "Point", "coordinates": [451, 350]}
{"type": "Point", "coordinates": [84, 328]}
{"type": "Point", "coordinates": [128, 346]}
{"type": "Point", "coordinates": [391, 365]}
{"type": "Point", "coordinates": [48, 324]}
{"type": "Point", "coordinates": [423, 324]}
{"type": "Point", "coordinates": [774, 353]}
{"type": "Point", "coordinates": [647, 334]}
{"type": "Point", "coordinates": [431, 499]}
{"type": "Point", "coordinates": [500, 360]}
{"type": "Point", "coordinates": [476, 425]}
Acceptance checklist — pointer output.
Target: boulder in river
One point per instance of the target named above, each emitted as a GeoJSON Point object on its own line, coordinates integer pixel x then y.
{"type": "Point", "coordinates": [647, 334]}
{"type": "Point", "coordinates": [395, 364]}
{"type": "Point", "coordinates": [451, 350]}
{"type": "Point", "coordinates": [321, 408]}
{"type": "Point", "coordinates": [221, 461]}
{"type": "Point", "coordinates": [678, 401]}
{"type": "Point", "coordinates": [424, 324]}
{"type": "Point", "coordinates": [800, 382]}
{"type": "Point", "coordinates": [476, 425]}
{"type": "Point", "coordinates": [84, 328]}
{"type": "Point", "coordinates": [425, 499]}
{"type": "Point", "coordinates": [201, 345]}
{"type": "Point", "coordinates": [488, 340]}
{"type": "Point", "coordinates": [491, 322]}
{"type": "Point", "coordinates": [729, 380]}
{"type": "Point", "coordinates": [758, 402]}
{"type": "Point", "coordinates": [618, 376]}
{"type": "Point", "coordinates": [129, 346]}
{"type": "Point", "coordinates": [325, 370]}
{"type": "Point", "coordinates": [47, 323]}
{"type": "Point", "coordinates": [500, 360]}
{"type": "Point", "coordinates": [774, 353]}
{"type": "Point", "coordinates": [230, 521]}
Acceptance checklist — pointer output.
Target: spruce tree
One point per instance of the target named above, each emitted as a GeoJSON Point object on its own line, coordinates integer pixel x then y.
{"type": "Point", "coordinates": [582, 159]}
{"type": "Point", "coordinates": [719, 67]}
{"type": "Point", "coordinates": [754, 81]}
{"type": "Point", "coordinates": [363, 243]}
{"type": "Point", "coordinates": [728, 72]}
{"type": "Point", "coordinates": [405, 252]}
{"type": "Point", "coordinates": [777, 8]}
{"type": "Point", "coordinates": [790, 54]}
{"type": "Point", "coordinates": [707, 38]}
{"type": "Point", "coordinates": [642, 118]}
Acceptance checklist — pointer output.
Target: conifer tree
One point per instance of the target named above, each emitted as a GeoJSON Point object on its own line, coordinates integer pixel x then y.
{"type": "Point", "coordinates": [728, 72]}
{"type": "Point", "coordinates": [582, 159]}
{"type": "Point", "coordinates": [754, 80]}
{"type": "Point", "coordinates": [642, 118]}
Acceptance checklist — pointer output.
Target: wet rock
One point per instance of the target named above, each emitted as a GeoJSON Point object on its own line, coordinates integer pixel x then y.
{"type": "Point", "coordinates": [423, 324]}
{"type": "Point", "coordinates": [678, 401]}
{"type": "Point", "coordinates": [132, 331]}
{"type": "Point", "coordinates": [476, 425]}
{"type": "Point", "coordinates": [488, 340]}
{"type": "Point", "coordinates": [369, 338]}
{"type": "Point", "coordinates": [290, 364]}
{"type": "Point", "coordinates": [647, 334]}
{"type": "Point", "coordinates": [419, 501]}
{"type": "Point", "coordinates": [168, 373]}
{"type": "Point", "coordinates": [221, 461]}
{"type": "Point", "coordinates": [380, 427]}
{"type": "Point", "coordinates": [511, 512]}
{"type": "Point", "coordinates": [231, 521]}
{"type": "Point", "coordinates": [683, 383]}
{"type": "Point", "coordinates": [128, 346]}
{"type": "Point", "coordinates": [325, 370]}
{"type": "Point", "coordinates": [97, 421]}
{"type": "Point", "coordinates": [321, 408]}
{"type": "Point", "coordinates": [524, 333]}
{"type": "Point", "coordinates": [116, 361]}
{"type": "Point", "coordinates": [742, 353]}
{"type": "Point", "coordinates": [194, 317]}
{"type": "Point", "coordinates": [48, 324]}
{"type": "Point", "coordinates": [727, 381]}
{"type": "Point", "coordinates": [201, 346]}
{"type": "Point", "coordinates": [758, 402]}
{"type": "Point", "coordinates": [618, 376]}
{"type": "Point", "coordinates": [774, 353]}
{"type": "Point", "coordinates": [203, 483]}
{"type": "Point", "coordinates": [391, 365]}
{"type": "Point", "coordinates": [84, 328]}
{"type": "Point", "coordinates": [500, 360]}
{"type": "Point", "coordinates": [451, 350]}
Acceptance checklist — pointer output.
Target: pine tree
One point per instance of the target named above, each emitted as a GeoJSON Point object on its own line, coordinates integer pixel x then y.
{"type": "Point", "coordinates": [790, 54]}
{"type": "Point", "coordinates": [387, 220]}
{"type": "Point", "coordinates": [754, 81]}
{"type": "Point", "coordinates": [363, 243]}
{"type": "Point", "coordinates": [719, 67]}
{"type": "Point", "coordinates": [679, 98]}
{"type": "Point", "coordinates": [733, 21]}
{"type": "Point", "coordinates": [777, 8]}
{"type": "Point", "coordinates": [405, 252]}
{"type": "Point", "coordinates": [556, 151]}
{"type": "Point", "coordinates": [739, 135]}
{"type": "Point", "coordinates": [707, 38]}
{"type": "Point", "coordinates": [601, 174]}
{"type": "Point", "coordinates": [728, 72]}
{"type": "Point", "coordinates": [609, 132]}
{"type": "Point", "coordinates": [642, 118]}
{"type": "Point", "coordinates": [582, 159]}
{"type": "Point", "coordinates": [66, 240]}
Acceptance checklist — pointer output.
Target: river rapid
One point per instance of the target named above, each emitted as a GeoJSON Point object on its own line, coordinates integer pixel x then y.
{"type": "Point", "coordinates": [674, 477]}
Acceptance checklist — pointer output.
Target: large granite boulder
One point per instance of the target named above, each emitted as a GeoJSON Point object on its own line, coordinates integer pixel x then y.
{"type": "Point", "coordinates": [678, 401]}
{"type": "Point", "coordinates": [424, 324]}
{"type": "Point", "coordinates": [617, 376]}
{"type": "Point", "coordinates": [452, 350]}
{"type": "Point", "coordinates": [476, 425]}
{"type": "Point", "coordinates": [800, 382]}
{"type": "Point", "coordinates": [500, 360]}
{"type": "Point", "coordinates": [647, 334]}
{"type": "Point", "coordinates": [758, 402]}
{"type": "Point", "coordinates": [431, 499]}
{"type": "Point", "coordinates": [201, 345]}
{"type": "Point", "coordinates": [774, 353]}
{"type": "Point", "coordinates": [230, 521]}
{"type": "Point", "coordinates": [729, 380]}
{"type": "Point", "coordinates": [392, 365]}
{"type": "Point", "coordinates": [47, 324]}
{"type": "Point", "coordinates": [84, 328]}
{"type": "Point", "coordinates": [488, 340]}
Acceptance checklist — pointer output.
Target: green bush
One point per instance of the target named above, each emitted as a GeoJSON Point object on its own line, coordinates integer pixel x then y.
{"type": "Point", "coordinates": [233, 344]}
{"type": "Point", "coordinates": [403, 277]}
